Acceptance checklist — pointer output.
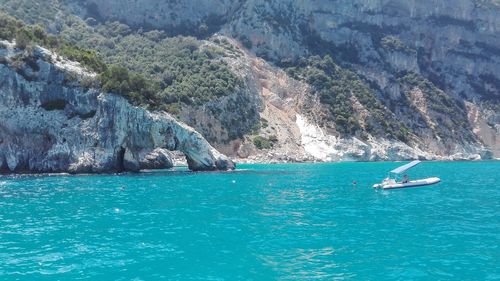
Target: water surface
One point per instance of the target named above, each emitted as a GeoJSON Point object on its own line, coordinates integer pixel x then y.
{"type": "Point", "coordinates": [262, 222]}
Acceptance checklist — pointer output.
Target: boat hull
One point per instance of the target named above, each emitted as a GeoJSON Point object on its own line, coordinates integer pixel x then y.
{"type": "Point", "coordinates": [415, 183]}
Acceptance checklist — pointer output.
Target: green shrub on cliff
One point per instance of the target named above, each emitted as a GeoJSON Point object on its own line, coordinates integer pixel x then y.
{"type": "Point", "coordinates": [393, 43]}
{"type": "Point", "coordinates": [438, 100]}
{"type": "Point", "coordinates": [88, 58]}
{"type": "Point", "coordinates": [8, 26]}
{"type": "Point", "coordinates": [263, 143]}
{"type": "Point", "coordinates": [27, 35]}
{"type": "Point", "coordinates": [118, 80]}
{"type": "Point", "coordinates": [29, 11]}
{"type": "Point", "coordinates": [443, 105]}
{"type": "Point", "coordinates": [24, 37]}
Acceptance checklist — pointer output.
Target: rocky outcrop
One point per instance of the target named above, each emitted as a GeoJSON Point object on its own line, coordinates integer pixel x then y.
{"type": "Point", "coordinates": [50, 123]}
{"type": "Point", "coordinates": [157, 159]}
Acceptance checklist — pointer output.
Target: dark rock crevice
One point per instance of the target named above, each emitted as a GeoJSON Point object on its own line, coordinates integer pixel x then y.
{"type": "Point", "coordinates": [120, 157]}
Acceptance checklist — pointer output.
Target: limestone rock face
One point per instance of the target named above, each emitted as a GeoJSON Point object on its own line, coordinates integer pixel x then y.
{"type": "Point", "coordinates": [160, 14]}
{"type": "Point", "coordinates": [49, 123]}
{"type": "Point", "coordinates": [454, 44]}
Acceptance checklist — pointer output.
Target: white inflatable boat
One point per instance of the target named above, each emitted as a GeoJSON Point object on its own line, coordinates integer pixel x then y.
{"type": "Point", "coordinates": [391, 182]}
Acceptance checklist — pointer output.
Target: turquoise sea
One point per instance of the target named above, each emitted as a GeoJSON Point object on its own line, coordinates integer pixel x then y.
{"type": "Point", "coordinates": [261, 222]}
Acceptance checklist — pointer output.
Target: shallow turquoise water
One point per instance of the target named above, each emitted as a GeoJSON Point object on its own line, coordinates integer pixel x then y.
{"type": "Point", "coordinates": [264, 222]}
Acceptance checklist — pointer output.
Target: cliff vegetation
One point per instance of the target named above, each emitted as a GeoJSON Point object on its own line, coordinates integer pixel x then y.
{"type": "Point", "coordinates": [148, 68]}
{"type": "Point", "coordinates": [336, 87]}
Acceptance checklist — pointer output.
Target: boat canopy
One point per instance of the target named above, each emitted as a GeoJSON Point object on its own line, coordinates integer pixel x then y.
{"type": "Point", "coordinates": [405, 167]}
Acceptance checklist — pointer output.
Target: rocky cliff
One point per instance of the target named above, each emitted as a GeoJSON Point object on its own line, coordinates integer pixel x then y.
{"type": "Point", "coordinates": [50, 123]}
{"type": "Point", "coordinates": [326, 80]}
{"type": "Point", "coordinates": [290, 116]}
{"type": "Point", "coordinates": [431, 64]}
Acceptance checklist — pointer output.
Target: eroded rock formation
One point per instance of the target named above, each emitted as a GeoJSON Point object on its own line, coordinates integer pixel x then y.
{"type": "Point", "coordinates": [50, 123]}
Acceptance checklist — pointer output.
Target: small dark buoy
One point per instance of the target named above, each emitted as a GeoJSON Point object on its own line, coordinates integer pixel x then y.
{"type": "Point", "coordinates": [354, 183]}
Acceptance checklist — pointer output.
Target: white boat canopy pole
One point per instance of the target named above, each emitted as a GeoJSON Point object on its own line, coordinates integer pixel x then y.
{"type": "Point", "coordinates": [405, 167]}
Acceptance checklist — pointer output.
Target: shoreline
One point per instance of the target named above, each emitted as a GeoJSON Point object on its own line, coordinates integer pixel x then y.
{"type": "Point", "coordinates": [184, 168]}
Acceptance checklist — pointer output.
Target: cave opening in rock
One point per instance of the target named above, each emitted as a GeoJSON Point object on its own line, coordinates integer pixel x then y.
{"type": "Point", "coordinates": [120, 156]}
